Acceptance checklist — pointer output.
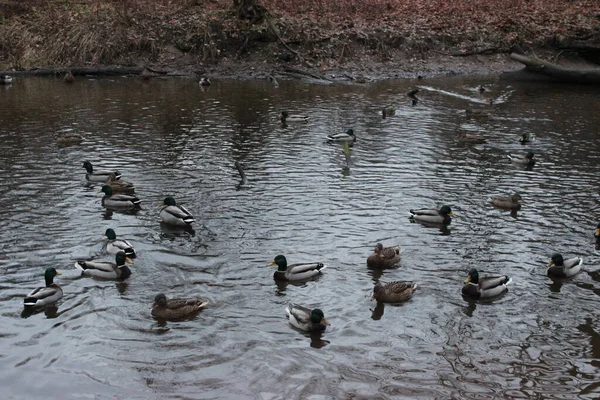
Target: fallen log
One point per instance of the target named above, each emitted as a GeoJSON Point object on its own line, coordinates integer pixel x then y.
{"type": "Point", "coordinates": [540, 70]}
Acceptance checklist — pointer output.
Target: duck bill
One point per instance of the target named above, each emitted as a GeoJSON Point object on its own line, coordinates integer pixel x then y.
{"type": "Point", "coordinates": [271, 263]}
{"type": "Point", "coordinates": [58, 273]}
{"type": "Point", "coordinates": [468, 280]}
{"type": "Point", "coordinates": [452, 214]}
{"type": "Point", "coordinates": [597, 232]}
{"type": "Point", "coordinates": [551, 263]}
{"type": "Point", "coordinates": [324, 322]}
{"type": "Point", "coordinates": [128, 260]}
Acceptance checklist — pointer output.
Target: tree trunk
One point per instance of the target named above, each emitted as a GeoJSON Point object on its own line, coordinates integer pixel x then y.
{"type": "Point", "coordinates": [539, 70]}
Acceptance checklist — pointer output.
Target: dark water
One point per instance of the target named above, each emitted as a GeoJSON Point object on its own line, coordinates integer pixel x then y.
{"type": "Point", "coordinates": [307, 199]}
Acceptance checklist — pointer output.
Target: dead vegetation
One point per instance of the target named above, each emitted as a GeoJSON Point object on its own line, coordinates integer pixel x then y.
{"type": "Point", "coordinates": [325, 33]}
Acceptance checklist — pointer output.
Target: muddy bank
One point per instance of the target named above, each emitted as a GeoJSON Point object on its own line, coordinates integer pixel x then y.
{"type": "Point", "coordinates": [342, 41]}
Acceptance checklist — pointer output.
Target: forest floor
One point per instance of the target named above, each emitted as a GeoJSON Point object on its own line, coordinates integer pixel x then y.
{"type": "Point", "coordinates": [357, 40]}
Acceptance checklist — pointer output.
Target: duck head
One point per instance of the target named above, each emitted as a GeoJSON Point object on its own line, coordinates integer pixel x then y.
{"type": "Point", "coordinates": [557, 259]}
{"type": "Point", "coordinates": [49, 275]}
{"type": "Point", "coordinates": [121, 258]}
{"type": "Point", "coordinates": [169, 201]}
{"type": "Point", "coordinates": [317, 317]}
{"type": "Point", "coordinates": [280, 261]}
{"type": "Point", "coordinates": [110, 234]}
{"type": "Point", "coordinates": [446, 210]}
{"type": "Point", "coordinates": [472, 276]}
{"type": "Point", "coordinates": [88, 167]}
{"type": "Point", "coordinates": [160, 300]}
{"type": "Point", "coordinates": [107, 190]}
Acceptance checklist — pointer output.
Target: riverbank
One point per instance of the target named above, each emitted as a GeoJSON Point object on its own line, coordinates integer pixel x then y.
{"type": "Point", "coordinates": [347, 40]}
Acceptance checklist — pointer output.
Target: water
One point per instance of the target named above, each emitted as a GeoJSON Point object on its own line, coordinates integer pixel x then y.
{"type": "Point", "coordinates": [311, 201]}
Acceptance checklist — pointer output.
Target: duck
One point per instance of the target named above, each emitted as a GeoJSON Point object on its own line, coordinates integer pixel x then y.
{"type": "Point", "coordinates": [349, 136]}
{"type": "Point", "coordinates": [98, 175]}
{"type": "Point", "coordinates": [384, 257]}
{"type": "Point", "coordinates": [412, 93]}
{"type": "Point", "coordinates": [115, 245]}
{"type": "Point", "coordinates": [118, 201]}
{"type": "Point", "coordinates": [295, 272]}
{"type": "Point", "coordinates": [285, 117]}
{"type": "Point", "coordinates": [106, 270]}
{"type": "Point", "coordinates": [561, 268]}
{"type": "Point", "coordinates": [512, 202]}
{"type": "Point", "coordinates": [204, 81]}
{"type": "Point", "coordinates": [69, 139]}
{"type": "Point", "coordinates": [146, 74]}
{"type": "Point", "coordinates": [45, 295]}
{"type": "Point", "coordinates": [6, 79]}
{"type": "Point", "coordinates": [393, 292]}
{"type": "Point", "coordinates": [163, 308]}
{"type": "Point", "coordinates": [476, 113]}
{"type": "Point", "coordinates": [526, 138]}
{"type": "Point", "coordinates": [174, 214]}
{"type": "Point", "coordinates": [484, 288]}
{"type": "Point", "coordinates": [433, 216]}
{"type": "Point", "coordinates": [527, 160]}
{"type": "Point", "coordinates": [388, 112]}
{"type": "Point", "coordinates": [469, 138]}
{"type": "Point", "coordinates": [69, 78]}
{"type": "Point", "coordinates": [119, 185]}
{"type": "Point", "coordinates": [306, 319]}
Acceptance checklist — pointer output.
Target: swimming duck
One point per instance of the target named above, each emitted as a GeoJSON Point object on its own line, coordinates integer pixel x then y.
{"type": "Point", "coordinates": [393, 292]}
{"type": "Point", "coordinates": [295, 272]}
{"type": "Point", "coordinates": [106, 270]}
{"type": "Point", "coordinates": [69, 78]}
{"type": "Point", "coordinates": [526, 138]}
{"type": "Point", "coordinates": [469, 138]}
{"type": "Point", "coordinates": [68, 139]}
{"type": "Point", "coordinates": [509, 202]}
{"type": "Point", "coordinates": [204, 81]}
{"type": "Point", "coordinates": [561, 268]}
{"type": "Point", "coordinates": [98, 175]}
{"type": "Point", "coordinates": [164, 308]}
{"type": "Point", "coordinates": [5, 79]}
{"type": "Point", "coordinates": [118, 201]}
{"type": "Point", "coordinates": [174, 214]}
{"type": "Point", "coordinates": [306, 319]}
{"type": "Point", "coordinates": [46, 295]}
{"type": "Point", "coordinates": [285, 117]}
{"type": "Point", "coordinates": [432, 216]}
{"type": "Point", "coordinates": [483, 288]}
{"type": "Point", "coordinates": [115, 245]}
{"type": "Point", "coordinates": [527, 160]}
{"type": "Point", "coordinates": [388, 112]}
{"type": "Point", "coordinates": [476, 113]}
{"type": "Point", "coordinates": [349, 136]}
{"type": "Point", "coordinates": [119, 185]}
{"type": "Point", "coordinates": [384, 257]}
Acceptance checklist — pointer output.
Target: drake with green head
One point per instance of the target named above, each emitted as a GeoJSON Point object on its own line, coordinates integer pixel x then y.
{"type": "Point", "coordinates": [174, 214]}
{"type": "Point", "coordinates": [295, 272]}
{"type": "Point", "coordinates": [45, 295]}
{"type": "Point", "coordinates": [306, 319]}
{"type": "Point", "coordinates": [106, 270]}
{"type": "Point", "coordinates": [98, 175]}
{"type": "Point", "coordinates": [384, 257]}
{"type": "Point", "coordinates": [164, 308]}
{"type": "Point", "coordinates": [393, 292]}
{"type": "Point", "coordinates": [558, 267]}
{"type": "Point", "coordinates": [349, 136]}
{"type": "Point", "coordinates": [118, 201]}
{"type": "Point", "coordinates": [115, 245]}
{"type": "Point", "coordinates": [432, 216]}
{"type": "Point", "coordinates": [285, 118]}
{"type": "Point", "coordinates": [486, 287]}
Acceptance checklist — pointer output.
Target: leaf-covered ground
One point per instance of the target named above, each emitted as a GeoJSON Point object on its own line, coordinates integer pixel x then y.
{"type": "Point", "coordinates": [372, 37]}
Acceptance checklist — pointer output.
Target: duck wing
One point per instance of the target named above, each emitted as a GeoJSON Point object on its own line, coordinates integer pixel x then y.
{"type": "Point", "coordinates": [492, 282]}
{"type": "Point", "coordinates": [182, 303]}
{"type": "Point", "coordinates": [179, 212]}
{"type": "Point", "coordinates": [299, 316]}
{"type": "Point", "coordinates": [304, 271]}
{"type": "Point", "coordinates": [424, 212]}
{"type": "Point", "coordinates": [43, 295]}
{"type": "Point", "coordinates": [98, 269]}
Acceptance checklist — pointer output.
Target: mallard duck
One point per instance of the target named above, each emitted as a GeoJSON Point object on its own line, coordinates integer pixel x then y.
{"type": "Point", "coordinates": [527, 160]}
{"type": "Point", "coordinates": [349, 136]}
{"type": "Point", "coordinates": [98, 175]}
{"type": "Point", "coordinates": [388, 112]}
{"type": "Point", "coordinates": [285, 117]}
{"type": "Point", "coordinates": [412, 93]}
{"type": "Point", "coordinates": [476, 113]}
{"type": "Point", "coordinates": [45, 295]}
{"type": "Point", "coordinates": [69, 139]}
{"type": "Point", "coordinates": [6, 79]}
{"type": "Point", "coordinates": [204, 81]}
{"type": "Point", "coordinates": [526, 138]}
{"type": "Point", "coordinates": [561, 268]}
{"type": "Point", "coordinates": [69, 78]}
{"type": "Point", "coordinates": [295, 272]}
{"type": "Point", "coordinates": [174, 214]}
{"type": "Point", "coordinates": [393, 292]}
{"type": "Point", "coordinates": [118, 201]}
{"type": "Point", "coordinates": [106, 270]}
{"type": "Point", "coordinates": [469, 138]}
{"type": "Point", "coordinates": [480, 88]}
{"type": "Point", "coordinates": [384, 257]}
{"type": "Point", "coordinates": [432, 216]}
{"type": "Point", "coordinates": [512, 202]}
{"type": "Point", "coordinates": [483, 288]}
{"type": "Point", "coordinates": [115, 245]}
{"type": "Point", "coordinates": [119, 185]}
{"type": "Point", "coordinates": [164, 308]}
{"type": "Point", "coordinates": [306, 319]}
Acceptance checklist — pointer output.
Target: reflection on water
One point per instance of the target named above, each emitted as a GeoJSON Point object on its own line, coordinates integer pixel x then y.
{"type": "Point", "coordinates": [314, 201]}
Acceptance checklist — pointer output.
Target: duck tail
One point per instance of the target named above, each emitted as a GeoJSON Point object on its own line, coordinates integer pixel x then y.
{"type": "Point", "coordinates": [508, 280]}
{"type": "Point", "coordinates": [80, 265]}
{"type": "Point", "coordinates": [30, 301]}
{"type": "Point", "coordinates": [321, 267]}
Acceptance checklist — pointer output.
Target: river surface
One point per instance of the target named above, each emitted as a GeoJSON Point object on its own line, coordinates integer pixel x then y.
{"type": "Point", "coordinates": [311, 201]}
